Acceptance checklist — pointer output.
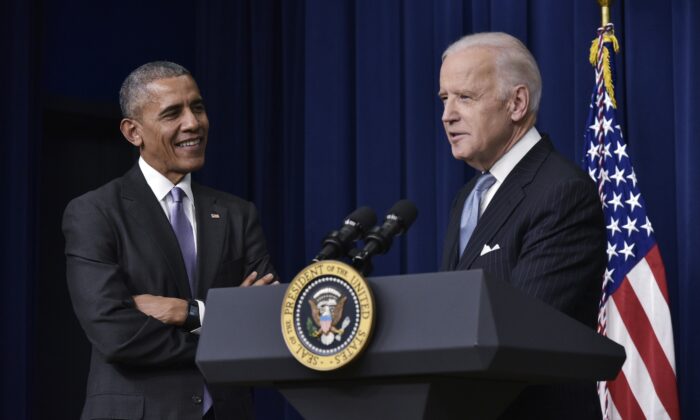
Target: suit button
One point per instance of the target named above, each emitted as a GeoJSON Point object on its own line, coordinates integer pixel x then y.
{"type": "Point", "coordinates": [196, 399]}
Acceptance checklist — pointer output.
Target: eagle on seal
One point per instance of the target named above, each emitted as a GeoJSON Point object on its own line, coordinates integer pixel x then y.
{"type": "Point", "coordinates": [327, 311]}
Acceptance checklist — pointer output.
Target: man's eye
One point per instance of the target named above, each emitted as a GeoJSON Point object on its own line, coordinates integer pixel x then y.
{"type": "Point", "coordinates": [464, 97]}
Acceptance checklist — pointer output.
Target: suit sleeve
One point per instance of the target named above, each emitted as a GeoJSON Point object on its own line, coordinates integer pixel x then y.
{"type": "Point", "coordinates": [102, 301]}
{"type": "Point", "coordinates": [562, 257]}
{"type": "Point", "coordinates": [257, 257]}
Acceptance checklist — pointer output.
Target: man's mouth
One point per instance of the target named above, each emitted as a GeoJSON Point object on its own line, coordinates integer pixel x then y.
{"type": "Point", "coordinates": [189, 142]}
{"type": "Point", "coordinates": [455, 136]}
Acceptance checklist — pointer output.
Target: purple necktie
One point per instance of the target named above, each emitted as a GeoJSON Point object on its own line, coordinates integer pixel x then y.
{"type": "Point", "coordinates": [185, 237]}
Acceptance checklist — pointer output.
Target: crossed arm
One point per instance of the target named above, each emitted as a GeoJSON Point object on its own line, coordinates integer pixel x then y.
{"type": "Point", "coordinates": [138, 330]}
{"type": "Point", "coordinates": [173, 311]}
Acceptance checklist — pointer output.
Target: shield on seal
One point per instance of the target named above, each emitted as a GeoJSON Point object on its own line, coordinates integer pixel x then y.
{"type": "Point", "coordinates": [326, 320]}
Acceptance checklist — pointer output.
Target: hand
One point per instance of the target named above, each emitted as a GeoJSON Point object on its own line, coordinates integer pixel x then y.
{"type": "Point", "coordinates": [266, 279]}
{"type": "Point", "coordinates": [171, 311]}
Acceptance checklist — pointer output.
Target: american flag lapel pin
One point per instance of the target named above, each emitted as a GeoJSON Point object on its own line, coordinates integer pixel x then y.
{"type": "Point", "coordinates": [215, 215]}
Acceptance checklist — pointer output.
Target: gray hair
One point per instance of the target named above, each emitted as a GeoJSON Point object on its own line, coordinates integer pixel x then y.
{"type": "Point", "coordinates": [133, 90]}
{"type": "Point", "coordinates": [515, 65]}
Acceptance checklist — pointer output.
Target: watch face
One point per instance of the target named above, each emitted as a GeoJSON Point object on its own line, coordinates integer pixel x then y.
{"type": "Point", "coordinates": [193, 320]}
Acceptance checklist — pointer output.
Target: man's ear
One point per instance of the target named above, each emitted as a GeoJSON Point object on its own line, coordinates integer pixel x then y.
{"type": "Point", "coordinates": [519, 103]}
{"type": "Point", "coordinates": [132, 131]}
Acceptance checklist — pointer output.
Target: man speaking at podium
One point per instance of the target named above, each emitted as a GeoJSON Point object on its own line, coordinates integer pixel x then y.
{"type": "Point", "coordinates": [530, 217]}
{"type": "Point", "coordinates": [143, 250]}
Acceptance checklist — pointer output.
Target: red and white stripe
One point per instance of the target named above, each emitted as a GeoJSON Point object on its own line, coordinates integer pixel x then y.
{"type": "Point", "coordinates": [638, 317]}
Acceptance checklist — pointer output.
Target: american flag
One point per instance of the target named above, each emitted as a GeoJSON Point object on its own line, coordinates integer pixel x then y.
{"type": "Point", "coordinates": [634, 309]}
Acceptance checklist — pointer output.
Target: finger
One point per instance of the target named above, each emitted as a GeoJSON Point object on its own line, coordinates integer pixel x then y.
{"type": "Point", "coordinates": [266, 279]}
{"type": "Point", "coordinates": [250, 279]}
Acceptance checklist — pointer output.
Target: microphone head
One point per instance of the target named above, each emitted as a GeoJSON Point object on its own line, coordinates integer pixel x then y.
{"type": "Point", "coordinates": [405, 211]}
{"type": "Point", "coordinates": [363, 218]}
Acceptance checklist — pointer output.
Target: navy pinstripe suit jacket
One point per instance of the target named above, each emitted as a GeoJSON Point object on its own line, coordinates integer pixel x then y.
{"type": "Point", "coordinates": [548, 224]}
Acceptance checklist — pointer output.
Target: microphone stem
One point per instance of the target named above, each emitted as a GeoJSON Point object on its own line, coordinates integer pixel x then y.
{"type": "Point", "coordinates": [363, 264]}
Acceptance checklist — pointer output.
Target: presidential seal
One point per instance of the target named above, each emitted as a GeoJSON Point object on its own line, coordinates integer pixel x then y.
{"type": "Point", "coordinates": [327, 315]}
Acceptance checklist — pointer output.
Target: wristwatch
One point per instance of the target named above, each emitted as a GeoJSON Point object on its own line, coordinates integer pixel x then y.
{"type": "Point", "coordinates": [192, 321]}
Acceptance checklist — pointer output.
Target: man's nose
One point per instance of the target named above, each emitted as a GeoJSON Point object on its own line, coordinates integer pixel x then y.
{"type": "Point", "coordinates": [449, 114]}
{"type": "Point", "coordinates": [190, 120]}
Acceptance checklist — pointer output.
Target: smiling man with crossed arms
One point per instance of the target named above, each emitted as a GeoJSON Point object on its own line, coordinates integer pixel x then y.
{"type": "Point", "coordinates": [143, 250]}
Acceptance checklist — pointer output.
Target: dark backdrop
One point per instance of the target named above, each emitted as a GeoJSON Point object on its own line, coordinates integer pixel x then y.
{"type": "Point", "coordinates": [317, 107]}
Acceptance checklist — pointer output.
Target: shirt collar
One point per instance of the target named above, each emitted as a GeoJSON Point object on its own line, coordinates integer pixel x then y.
{"type": "Point", "coordinates": [507, 162]}
{"type": "Point", "coordinates": [160, 185]}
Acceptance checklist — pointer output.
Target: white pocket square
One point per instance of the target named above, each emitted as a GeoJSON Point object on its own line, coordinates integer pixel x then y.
{"type": "Point", "coordinates": [486, 249]}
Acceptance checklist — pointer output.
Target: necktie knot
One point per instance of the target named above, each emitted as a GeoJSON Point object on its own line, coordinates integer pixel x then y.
{"type": "Point", "coordinates": [485, 181]}
{"type": "Point", "coordinates": [177, 194]}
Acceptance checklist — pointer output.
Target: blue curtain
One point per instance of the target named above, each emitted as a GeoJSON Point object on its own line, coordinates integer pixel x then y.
{"type": "Point", "coordinates": [325, 106]}
{"type": "Point", "coordinates": [18, 106]}
{"type": "Point", "coordinates": [318, 107]}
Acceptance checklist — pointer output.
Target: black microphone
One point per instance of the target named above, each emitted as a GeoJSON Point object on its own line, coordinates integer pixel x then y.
{"type": "Point", "coordinates": [339, 242]}
{"type": "Point", "coordinates": [378, 241]}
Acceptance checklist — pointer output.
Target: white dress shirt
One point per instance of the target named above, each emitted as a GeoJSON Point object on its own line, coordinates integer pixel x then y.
{"type": "Point", "coordinates": [503, 166]}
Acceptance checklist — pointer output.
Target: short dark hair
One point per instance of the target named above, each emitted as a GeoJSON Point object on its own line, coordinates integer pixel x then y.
{"type": "Point", "coordinates": [133, 90]}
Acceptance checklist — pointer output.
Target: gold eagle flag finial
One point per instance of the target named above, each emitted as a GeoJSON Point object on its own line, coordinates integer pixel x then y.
{"type": "Point", "coordinates": [606, 35]}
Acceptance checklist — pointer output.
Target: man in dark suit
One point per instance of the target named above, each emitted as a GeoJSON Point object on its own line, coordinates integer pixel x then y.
{"type": "Point", "coordinates": [143, 250]}
{"type": "Point", "coordinates": [530, 217]}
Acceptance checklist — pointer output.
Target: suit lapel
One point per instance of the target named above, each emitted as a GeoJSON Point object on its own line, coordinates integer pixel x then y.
{"type": "Point", "coordinates": [507, 198]}
{"type": "Point", "coordinates": [145, 209]}
{"type": "Point", "coordinates": [211, 229]}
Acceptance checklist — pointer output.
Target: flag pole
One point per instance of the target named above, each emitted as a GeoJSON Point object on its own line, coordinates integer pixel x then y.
{"type": "Point", "coordinates": [605, 11]}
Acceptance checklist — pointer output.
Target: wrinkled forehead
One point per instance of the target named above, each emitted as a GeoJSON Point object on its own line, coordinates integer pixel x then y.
{"type": "Point", "coordinates": [472, 66]}
{"type": "Point", "coordinates": [475, 60]}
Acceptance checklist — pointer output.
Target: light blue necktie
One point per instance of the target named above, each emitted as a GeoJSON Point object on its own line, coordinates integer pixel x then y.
{"type": "Point", "coordinates": [470, 212]}
{"type": "Point", "coordinates": [185, 238]}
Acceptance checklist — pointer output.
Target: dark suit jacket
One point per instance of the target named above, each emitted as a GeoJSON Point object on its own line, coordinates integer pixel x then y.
{"type": "Point", "coordinates": [119, 243]}
{"type": "Point", "coordinates": [547, 220]}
